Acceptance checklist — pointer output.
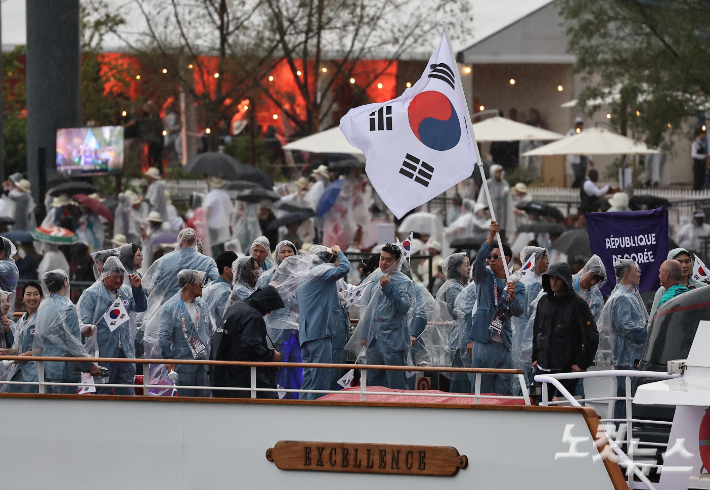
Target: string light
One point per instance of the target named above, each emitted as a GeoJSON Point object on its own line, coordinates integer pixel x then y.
{"type": "Point", "coordinates": [165, 133]}
{"type": "Point", "coordinates": [409, 84]}
{"type": "Point", "coordinates": [467, 69]}
{"type": "Point", "coordinates": [352, 80]}
{"type": "Point", "coordinates": [379, 85]}
{"type": "Point", "coordinates": [298, 73]}
{"type": "Point", "coordinates": [138, 77]}
{"type": "Point", "coordinates": [123, 113]}
{"type": "Point", "coordinates": [512, 81]}
{"type": "Point", "coordinates": [271, 79]}
{"type": "Point", "coordinates": [189, 66]}
{"type": "Point", "coordinates": [165, 70]}
{"type": "Point", "coordinates": [324, 70]}
{"type": "Point", "coordinates": [608, 116]}
{"type": "Point", "coordinates": [246, 107]}
{"type": "Point", "coordinates": [481, 108]}
{"type": "Point", "coordinates": [276, 116]}
{"type": "Point", "coordinates": [216, 75]}
{"type": "Point", "coordinates": [560, 88]}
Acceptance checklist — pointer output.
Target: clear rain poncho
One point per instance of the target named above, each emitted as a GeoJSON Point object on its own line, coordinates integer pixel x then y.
{"type": "Point", "coordinates": [265, 277]}
{"type": "Point", "coordinates": [167, 315]}
{"type": "Point", "coordinates": [7, 338]}
{"type": "Point", "coordinates": [100, 258]}
{"type": "Point", "coordinates": [125, 218]}
{"type": "Point", "coordinates": [523, 325]}
{"type": "Point", "coordinates": [622, 325]}
{"type": "Point", "coordinates": [243, 283]}
{"type": "Point", "coordinates": [245, 225]}
{"type": "Point", "coordinates": [58, 332]}
{"type": "Point", "coordinates": [264, 242]}
{"type": "Point", "coordinates": [9, 274]}
{"type": "Point", "coordinates": [156, 199]}
{"type": "Point", "coordinates": [429, 345]}
{"type": "Point", "coordinates": [593, 295]}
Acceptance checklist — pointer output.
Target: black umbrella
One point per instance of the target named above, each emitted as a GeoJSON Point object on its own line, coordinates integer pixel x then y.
{"type": "Point", "coordinates": [215, 164]}
{"type": "Point", "coordinates": [256, 175]}
{"type": "Point", "coordinates": [290, 219]}
{"type": "Point", "coordinates": [349, 163]}
{"type": "Point", "coordinates": [293, 206]}
{"type": "Point", "coordinates": [72, 188]}
{"type": "Point", "coordinates": [240, 185]}
{"type": "Point", "coordinates": [574, 242]}
{"type": "Point", "coordinates": [111, 204]}
{"type": "Point", "coordinates": [638, 203]}
{"type": "Point", "coordinates": [256, 195]}
{"type": "Point", "coordinates": [542, 227]}
{"type": "Point", "coordinates": [541, 208]}
{"type": "Point", "coordinates": [469, 243]}
{"type": "Point", "coordinates": [55, 178]}
{"type": "Point", "coordinates": [5, 221]}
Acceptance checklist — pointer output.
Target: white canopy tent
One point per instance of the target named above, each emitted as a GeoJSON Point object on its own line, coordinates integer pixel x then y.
{"type": "Point", "coordinates": [328, 141]}
{"type": "Point", "coordinates": [594, 141]}
{"type": "Point", "coordinates": [502, 129]}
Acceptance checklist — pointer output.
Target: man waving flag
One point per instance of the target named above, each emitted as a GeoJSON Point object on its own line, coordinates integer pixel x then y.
{"type": "Point", "coordinates": [419, 144]}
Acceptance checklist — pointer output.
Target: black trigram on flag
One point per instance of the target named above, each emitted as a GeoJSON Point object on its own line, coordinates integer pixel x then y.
{"type": "Point", "coordinates": [381, 119]}
{"type": "Point", "coordinates": [416, 169]}
{"type": "Point", "coordinates": [442, 71]}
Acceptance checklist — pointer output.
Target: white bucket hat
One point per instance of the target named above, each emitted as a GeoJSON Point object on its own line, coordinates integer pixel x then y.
{"type": "Point", "coordinates": [322, 170]}
{"type": "Point", "coordinates": [620, 200]}
{"type": "Point", "coordinates": [153, 173]}
{"type": "Point", "coordinates": [154, 216]}
{"type": "Point", "coordinates": [215, 182]}
{"type": "Point", "coordinates": [25, 185]}
{"type": "Point", "coordinates": [62, 200]}
{"type": "Point", "coordinates": [119, 239]}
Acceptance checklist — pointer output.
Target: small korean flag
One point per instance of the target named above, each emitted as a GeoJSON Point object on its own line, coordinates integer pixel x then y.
{"type": "Point", "coordinates": [407, 245]}
{"type": "Point", "coordinates": [527, 270]}
{"type": "Point", "coordinates": [116, 315]}
{"type": "Point", "coordinates": [356, 293]}
{"type": "Point", "coordinates": [700, 270]}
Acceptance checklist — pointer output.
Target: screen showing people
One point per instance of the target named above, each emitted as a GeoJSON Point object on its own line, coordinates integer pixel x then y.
{"type": "Point", "coordinates": [90, 151]}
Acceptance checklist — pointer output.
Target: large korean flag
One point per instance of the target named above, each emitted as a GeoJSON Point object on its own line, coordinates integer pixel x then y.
{"type": "Point", "coordinates": [417, 145]}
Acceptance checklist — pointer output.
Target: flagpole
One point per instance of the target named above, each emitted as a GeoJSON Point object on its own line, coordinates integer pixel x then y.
{"type": "Point", "coordinates": [478, 155]}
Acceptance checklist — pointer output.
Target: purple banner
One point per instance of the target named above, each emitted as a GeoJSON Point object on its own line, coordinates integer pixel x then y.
{"type": "Point", "coordinates": [641, 236]}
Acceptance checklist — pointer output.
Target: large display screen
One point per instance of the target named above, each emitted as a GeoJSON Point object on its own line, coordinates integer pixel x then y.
{"type": "Point", "coordinates": [90, 151]}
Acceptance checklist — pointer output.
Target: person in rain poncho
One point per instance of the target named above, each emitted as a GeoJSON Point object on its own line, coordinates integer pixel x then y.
{"type": "Point", "coordinates": [131, 257]}
{"type": "Point", "coordinates": [516, 217]}
{"type": "Point", "coordinates": [312, 197]}
{"type": "Point", "coordinates": [100, 258]}
{"type": "Point", "coordinates": [26, 371]}
{"type": "Point", "coordinates": [52, 259]}
{"type": "Point", "coordinates": [118, 342]}
{"type": "Point", "coordinates": [24, 205]}
{"type": "Point", "coordinates": [565, 337]}
{"type": "Point", "coordinates": [7, 328]}
{"type": "Point", "coordinates": [9, 274]}
{"type": "Point", "coordinates": [155, 195]}
{"type": "Point", "coordinates": [385, 331]}
{"type": "Point", "coordinates": [165, 271]}
{"type": "Point", "coordinates": [338, 223]}
{"type": "Point", "coordinates": [588, 283]}
{"type": "Point", "coordinates": [58, 334]}
{"type": "Point", "coordinates": [319, 314]}
{"type": "Point", "coordinates": [457, 269]}
{"type": "Point", "coordinates": [218, 214]}
{"type": "Point", "coordinates": [489, 341]}
{"type": "Point", "coordinates": [242, 337]}
{"type": "Point", "coordinates": [91, 229]}
{"type": "Point", "coordinates": [523, 325]}
{"type": "Point", "coordinates": [690, 236]}
{"type": "Point", "coordinates": [624, 320]}
{"type": "Point", "coordinates": [126, 219]}
{"type": "Point", "coordinates": [217, 293]}
{"type": "Point", "coordinates": [185, 332]}
{"type": "Point", "coordinates": [462, 227]}
{"type": "Point", "coordinates": [261, 251]}
{"type": "Point", "coordinates": [498, 189]}
{"type": "Point", "coordinates": [282, 324]}
{"type": "Point", "coordinates": [245, 227]}
{"type": "Point", "coordinates": [685, 259]}
{"type": "Point", "coordinates": [361, 196]}
{"type": "Point", "coordinates": [453, 211]}
{"type": "Point", "coordinates": [246, 273]}
{"type": "Point", "coordinates": [420, 312]}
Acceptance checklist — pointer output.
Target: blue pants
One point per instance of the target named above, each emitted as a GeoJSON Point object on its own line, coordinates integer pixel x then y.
{"type": "Point", "coordinates": [492, 355]}
{"type": "Point", "coordinates": [119, 373]}
{"type": "Point", "coordinates": [316, 351]}
{"type": "Point", "coordinates": [195, 378]}
{"type": "Point", "coordinates": [620, 405]}
{"type": "Point", "coordinates": [22, 388]}
{"type": "Point", "coordinates": [340, 356]}
{"type": "Point", "coordinates": [389, 379]}
{"type": "Point", "coordinates": [62, 390]}
{"type": "Point", "coordinates": [460, 382]}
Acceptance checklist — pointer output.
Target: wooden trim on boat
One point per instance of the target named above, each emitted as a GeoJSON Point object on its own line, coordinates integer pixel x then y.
{"type": "Point", "coordinates": [615, 474]}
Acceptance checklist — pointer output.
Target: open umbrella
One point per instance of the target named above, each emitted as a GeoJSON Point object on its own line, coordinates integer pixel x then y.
{"type": "Point", "coordinates": [18, 236]}
{"type": "Point", "coordinates": [541, 208]}
{"type": "Point", "coordinates": [162, 239]}
{"type": "Point", "coordinates": [424, 223]}
{"type": "Point", "coordinates": [293, 206]}
{"type": "Point", "coordinates": [55, 178]}
{"type": "Point", "coordinates": [329, 196]}
{"type": "Point", "coordinates": [111, 204]}
{"type": "Point", "coordinates": [641, 202]}
{"type": "Point", "coordinates": [94, 205]}
{"type": "Point", "coordinates": [347, 163]}
{"type": "Point", "coordinates": [593, 141]}
{"type": "Point", "coordinates": [54, 234]}
{"type": "Point", "coordinates": [542, 227]}
{"type": "Point", "coordinates": [256, 175]}
{"type": "Point", "coordinates": [502, 129]}
{"type": "Point", "coordinates": [469, 242]}
{"type": "Point", "coordinates": [256, 195]}
{"type": "Point", "coordinates": [329, 141]}
{"type": "Point", "coordinates": [299, 217]}
{"type": "Point", "coordinates": [574, 242]}
{"type": "Point", "coordinates": [5, 221]}
{"type": "Point", "coordinates": [240, 185]}
{"type": "Point", "coordinates": [72, 188]}
{"type": "Point", "coordinates": [215, 164]}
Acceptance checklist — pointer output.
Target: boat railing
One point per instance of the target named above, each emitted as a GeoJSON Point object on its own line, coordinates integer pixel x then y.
{"type": "Point", "coordinates": [253, 389]}
{"type": "Point", "coordinates": [638, 468]}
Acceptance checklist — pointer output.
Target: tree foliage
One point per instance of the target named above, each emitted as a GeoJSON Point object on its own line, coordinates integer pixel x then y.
{"type": "Point", "coordinates": [648, 58]}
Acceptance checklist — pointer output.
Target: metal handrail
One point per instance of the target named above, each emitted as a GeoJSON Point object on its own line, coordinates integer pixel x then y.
{"type": "Point", "coordinates": [629, 420]}
{"type": "Point", "coordinates": [254, 365]}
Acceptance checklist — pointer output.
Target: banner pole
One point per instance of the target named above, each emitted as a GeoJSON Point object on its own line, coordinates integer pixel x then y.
{"type": "Point", "coordinates": [478, 155]}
